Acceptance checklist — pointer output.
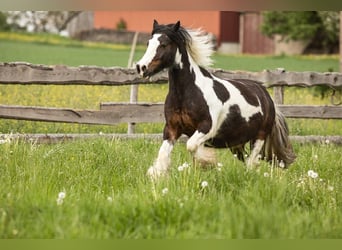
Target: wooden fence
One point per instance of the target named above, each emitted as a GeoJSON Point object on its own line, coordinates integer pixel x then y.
{"type": "Point", "coordinates": [113, 113]}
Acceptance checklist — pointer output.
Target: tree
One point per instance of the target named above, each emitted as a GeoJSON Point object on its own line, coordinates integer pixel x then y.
{"type": "Point", "coordinates": [3, 23]}
{"type": "Point", "coordinates": [40, 21]}
{"type": "Point", "coordinates": [319, 27]}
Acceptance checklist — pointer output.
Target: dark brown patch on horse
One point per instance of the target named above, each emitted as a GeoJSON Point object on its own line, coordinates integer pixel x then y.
{"type": "Point", "coordinates": [247, 89]}
{"type": "Point", "coordinates": [235, 130]}
{"type": "Point", "coordinates": [205, 72]}
{"type": "Point", "coordinates": [221, 91]}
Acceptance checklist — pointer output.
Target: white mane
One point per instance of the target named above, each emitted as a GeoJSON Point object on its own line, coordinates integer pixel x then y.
{"type": "Point", "coordinates": [200, 47]}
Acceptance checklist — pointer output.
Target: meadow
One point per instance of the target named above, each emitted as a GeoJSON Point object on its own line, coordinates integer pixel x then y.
{"type": "Point", "coordinates": [98, 188]}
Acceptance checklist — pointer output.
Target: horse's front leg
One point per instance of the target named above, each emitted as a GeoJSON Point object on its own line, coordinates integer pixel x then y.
{"type": "Point", "coordinates": [202, 154]}
{"type": "Point", "coordinates": [163, 161]}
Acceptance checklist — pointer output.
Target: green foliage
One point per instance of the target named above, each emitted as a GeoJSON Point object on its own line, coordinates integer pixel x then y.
{"type": "Point", "coordinates": [109, 196]}
{"type": "Point", "coordinates": [321, 28]}
{"type": "Point", "coordinates": [121, 25]}
{"type": "Point", "coordinates": [3, 23]}
{"type": "Point", "coordinates": [294, 25]}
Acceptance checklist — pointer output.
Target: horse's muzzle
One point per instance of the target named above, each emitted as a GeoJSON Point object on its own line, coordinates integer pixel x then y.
{"type": "Point", "coordinates": [142, 70]}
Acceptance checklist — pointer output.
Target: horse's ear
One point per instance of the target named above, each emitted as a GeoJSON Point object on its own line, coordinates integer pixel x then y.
{"type": "Point", "coordinates": [155, 23]}
{"type": "Point", "coordinates": [176, 26]}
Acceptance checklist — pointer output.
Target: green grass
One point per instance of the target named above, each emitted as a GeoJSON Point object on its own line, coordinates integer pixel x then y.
{"type": "Point", "coordinates": [109, 196]}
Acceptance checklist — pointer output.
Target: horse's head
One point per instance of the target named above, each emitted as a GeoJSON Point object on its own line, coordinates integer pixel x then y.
{"type": "Point", "coordinates": [161, 50]}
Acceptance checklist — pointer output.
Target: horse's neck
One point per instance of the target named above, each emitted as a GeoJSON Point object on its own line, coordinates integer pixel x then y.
{"type": "Point", "coordinates": [181, 76]}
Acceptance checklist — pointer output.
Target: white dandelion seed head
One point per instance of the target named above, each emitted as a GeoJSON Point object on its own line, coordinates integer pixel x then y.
{"type": "Point", "coordinates": [281, 164]}
{"type": "Point", "coordinates": [330, 188]}
{"type": "Point", "coordinates": [180, 168]}
{"type": "Point", "coordinates": [61, 195]}
{"type": "Point", "coordinates": [165, 191]}
{"type": "Point", "coordinates": [312, 174]}
{"type": "Point", "coordinates": [204, 184]}
{"type": "Point", "coordinates": [235, 155]}
{"type": "Point", "coordinates": [185, 165]}
{"type": "Point", "coordinates": [266, 174]}
{"type": "Point", "coordinates": [219, 164]}
{"type": "Point", "coordinates": [59, 201]}
{"type": "Point", "coordinates": [110, 199]}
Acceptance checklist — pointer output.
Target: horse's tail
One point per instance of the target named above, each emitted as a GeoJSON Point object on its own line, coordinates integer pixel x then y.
{"type": "Point", "coordinates": [278, 143]}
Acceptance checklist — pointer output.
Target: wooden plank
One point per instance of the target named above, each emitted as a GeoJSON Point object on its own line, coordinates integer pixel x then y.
{"type": "Point", "coordinates": [147, 112]}
{"type": "Point", "coordinates": [105, 117]}
{"type": "Point", "coordinates": [317, 112]}
{"type": "Point", "coordinates": [155, 110]}
{"type": "Point", "coordinates": [272, 78]}
{"type": "Point", "coordinates": [25, 73]}
{"type": "Point", "coordinates": [113, 113]}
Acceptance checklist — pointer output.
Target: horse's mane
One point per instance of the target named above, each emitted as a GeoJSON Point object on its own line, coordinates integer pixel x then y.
{"type": "Point", "coordinates": [198, 44]}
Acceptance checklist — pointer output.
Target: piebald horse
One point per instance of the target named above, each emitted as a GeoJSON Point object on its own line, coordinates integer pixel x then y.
{"type": "Point", "coordinates": [212, 112]}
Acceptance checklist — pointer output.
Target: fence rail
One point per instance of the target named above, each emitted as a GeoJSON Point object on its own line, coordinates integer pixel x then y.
{"type": "Point", "coordinates": [25, 73]}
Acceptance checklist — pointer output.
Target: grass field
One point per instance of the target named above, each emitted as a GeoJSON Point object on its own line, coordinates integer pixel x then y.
{"type": "Point", "coordinates": [107, 194]}
{"type": "Point", "coordinates": [98, 189]}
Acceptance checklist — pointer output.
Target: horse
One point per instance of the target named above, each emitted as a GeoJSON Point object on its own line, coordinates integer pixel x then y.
{"type": "Point", "coordinates": [212, 112]}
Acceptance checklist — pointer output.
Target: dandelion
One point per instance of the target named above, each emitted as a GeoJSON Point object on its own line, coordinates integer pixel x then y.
{"type": "Point", "coordinates": [6, 140]}
{"type": "Point", "coordinates": [327, 141]}
{"type": "Point", "coordinates": [281, 164]}
{"type": "Point", "coordinates": [266, 174]}
{"type": "Point", "coordinates": [219, 164]}
{"type": "Point", "coordinates": [204, 184]}
{"type": "Point", "coordinates": [180, 168]}
{"type": "Point", "coordinates": [109, 199]}
{"type": "Point", "coordinates": [235, 155]}
{"type": "Point", "coordinates": [165, 191]}
{"type": "Point", "coordinates": [60, 198]}
{"type": "Point", "coordinates": [61, 195]}
{"type": "Point", "coordinates": [185, 165]}
{"type": "Point", "coordinates": [312, 174]}
{"type": "Point", "coordinates": [330, 188]}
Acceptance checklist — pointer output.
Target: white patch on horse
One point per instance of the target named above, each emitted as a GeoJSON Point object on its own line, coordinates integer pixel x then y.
{"type": "Point", "coordinates": [150, 52]}
{"type": "Point", "coordinates": [236, 98]}
{"type": "Point", "coordinates": [178, 59]}
{"type": "Point", "coordinates": [162, 162]}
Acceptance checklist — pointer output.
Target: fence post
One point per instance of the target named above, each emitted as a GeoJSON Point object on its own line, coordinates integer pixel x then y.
{"type": "Point", "coordinates": [134, 88]}
{"type": "Point", "coordinates": [278, 95]}
{"type": "Point", "coordinates": [278, 91]}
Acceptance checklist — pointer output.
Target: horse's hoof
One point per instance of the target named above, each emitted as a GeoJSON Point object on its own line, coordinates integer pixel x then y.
{"type": "Point", "coordinates": [155, 173]}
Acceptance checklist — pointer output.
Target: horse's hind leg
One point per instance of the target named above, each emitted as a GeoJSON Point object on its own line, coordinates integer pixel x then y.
{"type": "Point", "coordinates": [253, 159]}
{"type": "Point", "coordinates": [239, 151]}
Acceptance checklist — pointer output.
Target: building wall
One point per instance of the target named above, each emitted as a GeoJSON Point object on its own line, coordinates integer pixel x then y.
{"type": "Point", "coordinates": [142, 20]}
{"type": "Point", "coordinates": [251, 38]}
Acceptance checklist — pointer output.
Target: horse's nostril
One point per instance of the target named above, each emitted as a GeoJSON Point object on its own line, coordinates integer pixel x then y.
{"type": "Point", "coordinates": [138, 68]}
{"type": "Point", "coordinates": [143, 68]}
